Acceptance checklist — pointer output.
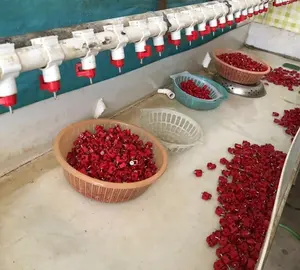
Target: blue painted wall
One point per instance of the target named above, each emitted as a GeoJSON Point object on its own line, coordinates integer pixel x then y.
{"type": "Point", "coordinates": [20, 17]}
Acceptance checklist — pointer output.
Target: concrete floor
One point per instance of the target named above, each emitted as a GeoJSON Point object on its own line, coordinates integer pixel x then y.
{"type": "Point", "coordinates": [45, 225]}
{"type": "Point", "coordinates": [285, 250]}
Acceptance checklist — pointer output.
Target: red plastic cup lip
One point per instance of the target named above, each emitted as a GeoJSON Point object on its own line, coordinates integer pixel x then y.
{"type": "Point", "coordinates": [52, 87]}
{"type": "Point", "coordinates": [195, 35]}
{"type": "Point", "coordinates": [160, 48]}
{"type": "Point", "coordinates": [203, 33]}
{"type": "Point", "coordinates": [189, 37]}
{"type": "Point", "coordinates": [88, 73]}
{"type": "Point", "coordinates": [213, 29]}
{"type": "Point", "coordinates": [250, 15]}
{"type": "Point", "coordinates": [91, 73]}
{"type": "Point", "coordinates": [140, 55]}
{"type": "Point", "coordinates": [222, 25]}
{"type": "Point", "coordinates": [8, 100]}
{"type": "Point", "coordinates": [175, 42]}
{"type": "Point", "coordinates": [117, 63]}
{"type": "Point", "coordinates": [256, 12]}
{"type": "Point", "coordinates": [229, 23]}
{"type": "Point", "coordinates": [243, 18]}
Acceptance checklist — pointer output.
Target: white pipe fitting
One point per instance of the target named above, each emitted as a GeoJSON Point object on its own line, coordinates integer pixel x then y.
{"type": "Point", "coordinates": [119, 39]}
{"type": "Point", "coordinates": [8, 87]}
{"type": "Point", "coordinates": [137, 31]}
{"type": "Point", "coordinates": [261, 7]}
{"type": "Point", "coordinates": [88, 62]}
{"type": "Point", "coordinates": [202, 26]}
{"type": "Point", "coordinates": [140, 46]}
{"type": "Point", "coordinates": [10, 65]}
{"type": "Point", "coordinates": [157, 26]}
{"type": "Point", "coordinates": [212, 10]}
{"type": "Point", "coordinates": [245, 12]}
{"type": "Point", "coordinates": [88, 39]}
{"type": "Point", "coordinates": [55, 57]}
{"type": "Point", "coordinates": [118, 54]}
{"type": "Point", "coordinates": [178, 21]}
{"type": "Point", "coordinates": [51, 73]}
{"type": "Point", "coordinates": [167, 92]}
{"type": "Point", "coordinates": [158, 41]}
{"type": "Point", "coordinates": [237, 5]}
{"type": "Point", "coordinates": [266, 5]}
{"type": "Point", "coordinates": [36, 57]}
{"type": "Point", "coordinates": [189, 30]}
{"type": "Point", "coordinates": [222, 19]}
{"type": "Point", "coordinates": [176, 35]}
{"type": "Point", "coordinates": [10, 68]}
{"type": "Point", "coordinates": [201, 17]}
{"type": "Point", "coordinates": [217, 10]}
{"type": "Point", "coordinates": [237, 14]}
{"type": "Point", "coordinates": [230, 17]}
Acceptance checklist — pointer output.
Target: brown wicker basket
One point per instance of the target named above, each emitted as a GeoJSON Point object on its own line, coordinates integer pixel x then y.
{"type": "Point", "coordinates": [238, 75]}
{"type": "Point", "coordinates": [101, 190]}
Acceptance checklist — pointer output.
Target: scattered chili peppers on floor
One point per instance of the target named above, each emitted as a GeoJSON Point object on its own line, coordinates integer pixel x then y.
{"type": "Point", "coordinates": [247, 191]}
{"type": "Point", "coordinates": [242, 61]}
{"type": "Point", "coordinates": [284, 77]}
{"type": "Point", "coordinates": [290, 120]}
{"type": "Point", "coordinates": [112, 155]}
{"type": "Point", "coordinates": [206, 196]}
{"type": "Point", "coordinates": [191, 88]}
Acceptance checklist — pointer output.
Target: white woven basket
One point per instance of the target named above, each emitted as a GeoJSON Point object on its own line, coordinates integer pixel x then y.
{"type": "Point", "coordinates": [176, 131]}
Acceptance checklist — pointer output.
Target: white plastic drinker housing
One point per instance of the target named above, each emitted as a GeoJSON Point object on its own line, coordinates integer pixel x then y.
{"type": "Point", "coordinates": [10, 68]}
{"type": "Point", "coordinates": [50, 78]}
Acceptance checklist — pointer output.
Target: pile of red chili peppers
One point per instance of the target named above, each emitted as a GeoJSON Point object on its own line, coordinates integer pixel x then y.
{"type": "Point", "coordinates": [112, 155]}
{"type": "Point", "coordinates": [191, 88]}
{"type": "Point", "coordinates": [290, 120]}
{"type": "Point", "coordinates": [246, 194]}
{"type": "Point", "coordinates": [242, 61]}
{"type": "Point", "coordinates": [284, 77]}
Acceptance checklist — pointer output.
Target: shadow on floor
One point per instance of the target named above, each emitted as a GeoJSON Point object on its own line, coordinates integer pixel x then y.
{"type": "Point", "coordinates": [285, 251]}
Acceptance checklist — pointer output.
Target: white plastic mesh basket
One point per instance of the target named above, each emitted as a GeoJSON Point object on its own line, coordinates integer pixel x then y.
{"type": "Point", "coordinates": [176, 131]}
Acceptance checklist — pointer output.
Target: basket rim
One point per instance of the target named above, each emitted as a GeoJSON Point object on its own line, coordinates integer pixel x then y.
{"type": "Point", "coordinates": [146, 182]}
{"type": "Point", "coordinates": [195, 123]}
{"type": "Point", "coordinates": [218, 51]}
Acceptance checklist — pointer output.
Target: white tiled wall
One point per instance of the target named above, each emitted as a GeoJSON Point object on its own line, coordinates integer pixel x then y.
{"type": "Point", "coordinates": [274, 40]}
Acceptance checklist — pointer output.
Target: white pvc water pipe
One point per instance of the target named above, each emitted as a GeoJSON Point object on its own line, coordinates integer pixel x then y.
{"type": "Point", "coordinates": [36, 58]}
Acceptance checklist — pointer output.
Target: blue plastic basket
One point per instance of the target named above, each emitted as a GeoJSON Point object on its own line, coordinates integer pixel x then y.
{"type": "Point", "coordinates": [217, 92]}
